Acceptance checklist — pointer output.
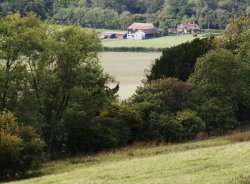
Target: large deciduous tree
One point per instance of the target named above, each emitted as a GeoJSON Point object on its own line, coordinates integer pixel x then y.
{"type": "Point", "coordinates": [20, 41]}
{"type": "Point", "coordinates": [46, 72]}
{"type": "Point", "coordinates": [221, 85]}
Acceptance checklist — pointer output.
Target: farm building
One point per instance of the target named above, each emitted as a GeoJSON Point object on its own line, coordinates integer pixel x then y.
{"type": "Point", "coordinates": [141, 31]}
{"type": "Point", "coordinates": [112, 35]}
{"type": "Point", "coordinates": [187, 27]}
{"type": "Point", "coordinates": [172, 31]}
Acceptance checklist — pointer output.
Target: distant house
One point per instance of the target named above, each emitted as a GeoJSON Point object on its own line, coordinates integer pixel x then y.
{"type": "Point", "coordinates": [187, 27]}
{"type": "Point", "coordinates": [172, 31]}
{"type": "Point", "coordinates": [141, 31]}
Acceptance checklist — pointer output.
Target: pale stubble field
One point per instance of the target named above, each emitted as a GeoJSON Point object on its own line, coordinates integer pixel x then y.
{"type": "Point", "coordinates": [128, 68]}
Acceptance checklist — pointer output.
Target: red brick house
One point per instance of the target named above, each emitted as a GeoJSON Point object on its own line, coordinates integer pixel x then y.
{"type": "Point", "coordinates": [187, 27]}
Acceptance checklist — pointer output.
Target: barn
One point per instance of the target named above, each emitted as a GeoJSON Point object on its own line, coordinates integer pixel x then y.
{"type": "Point", "coordinates": [141, 31]}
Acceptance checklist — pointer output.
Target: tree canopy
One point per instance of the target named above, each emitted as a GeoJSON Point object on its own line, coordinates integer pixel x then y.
{"type": "Point", "coordinates": [121, 13]}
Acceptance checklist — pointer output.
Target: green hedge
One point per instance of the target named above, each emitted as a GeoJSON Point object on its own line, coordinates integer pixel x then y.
{"type": "Point", "coordinates": [132, 49]}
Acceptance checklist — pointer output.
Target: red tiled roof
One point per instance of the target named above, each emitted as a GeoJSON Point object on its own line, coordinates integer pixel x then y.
{"type": "Point", "coordinates": [142, 26]}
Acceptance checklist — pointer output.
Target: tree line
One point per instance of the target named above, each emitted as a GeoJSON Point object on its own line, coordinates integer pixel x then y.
{"type": "Point", "coordinates": [55, 99]}
{"type": "Point", "coordinates": [119, 14]}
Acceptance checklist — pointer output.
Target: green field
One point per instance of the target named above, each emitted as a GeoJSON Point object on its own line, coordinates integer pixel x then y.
{"type": "Point", "coordinates": [161, 42]}
{"type": "Point", "coordinates": [223, 160]}
{"type": "Point", "coordinates": [127, 68]}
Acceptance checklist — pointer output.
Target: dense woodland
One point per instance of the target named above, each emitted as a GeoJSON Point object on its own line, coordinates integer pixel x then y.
{"type": "Point", "coordinates": [55, 99]}
{"type": "Point", "coordinates": [118, 14]}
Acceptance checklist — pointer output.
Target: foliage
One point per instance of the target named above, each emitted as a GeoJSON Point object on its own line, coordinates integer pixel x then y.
{"type": "Point", "coordinates": [46, 72]}
{"type": "Point", "coordinates": [220, 74]}
{"type": "Point", "coordinates": [163, 106]}
{"type": "Point", "coordinates": [174, 95]}
{"type": "Point", "coordinates": [219, 115]}
{"type": "Point", "coordinates": [21, 149]}
{"type": "Point", "coordinates": [192, 124]}
{"type": "Point", "coordinates": [179, 61]}
{"type": "Point", "coordinates": [162, 127]}
{"type": "Point", "coordinates": [119, 14]}
{"type": "Point", "coordinates": [124, 116]}
{"type": "Point", "coordinates": [87, 137]}
{"type": "Point", "coordinates": [231, 38]}
{"type": "Point", "coordinates": [245, 58]}
{"type": "Point", "coordinates": [20, 39]}
{"type": "Point", "coordinates": [41, 8]}
{"type": "Point", "coordinates": [165, 14]}
{"type": "Point", "coordinates": [117, 125]}
{"type": "Point", "coordinates": [220, 84]}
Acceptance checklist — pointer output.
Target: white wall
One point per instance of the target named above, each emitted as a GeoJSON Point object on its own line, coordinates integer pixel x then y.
{"type": "Point", "coordinates": [139, 35]}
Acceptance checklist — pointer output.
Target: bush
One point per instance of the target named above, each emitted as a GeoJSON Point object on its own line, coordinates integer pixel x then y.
{"type": "Point", "coordinates": [167, 127]}
{"type": "Point", "coordinates": [86, 136]}
{"type": "Point", "coordinates": [162, 127]}
{"type": "Point", "coordinates": [117, 125]}
{"type": "Point", "coordinates": [158, 102]}
{"type": "Point", "coordinates": [218, 115]}
{"type": "Point", "coordinates": [164, 95]}
{"type": "Point", "coordinates": [192, 124]}
{"type": "Point", "coordinates": [21, 149]}
{"type": "Point", "coordinates": [10, 148]}
{"type": "Point", "coordinates": [124, 118]}
{"type": "Point", "coordinates": [32, 149]}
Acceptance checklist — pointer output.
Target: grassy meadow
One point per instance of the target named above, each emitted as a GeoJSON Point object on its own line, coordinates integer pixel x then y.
{"type": "Point", "coordinates": [127, 68]}
{"type": "Point", "coordinates": [221, 160]}
{"type": "Point", "coordinates": [161, 42]}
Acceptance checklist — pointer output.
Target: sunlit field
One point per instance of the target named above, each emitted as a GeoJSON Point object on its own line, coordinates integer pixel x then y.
{"type": "Point", "coordinates": [161, 42]}
{"type": "Point", "coordinates": [128, 68]}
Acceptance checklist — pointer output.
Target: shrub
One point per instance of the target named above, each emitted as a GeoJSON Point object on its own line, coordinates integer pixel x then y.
{"type": "Point", "coordinates": [158, 102]}
{"type": "Point", "coordinates": [162, 127]}
{"type": "Point", "coordinates": [21, 149]}
{"type": "Point", "coordinates": [32, 149]}
{"type": "Point", "coordinates": [192, 124]}
{"type": "Point", "coordinates": [86, 136]}
{"type": "Point", "coordinates": [10, 148]}
{"type": "Point", "coordinates": [124, 118]}
{"type": "Point", "coordinates": [117, 125]}
{"type": "Point", "coordinates": [168, 94]}
{"type": "Point", "coordinates": [218, 115]}
{"type": "Point", "coordinates": [184, 125]}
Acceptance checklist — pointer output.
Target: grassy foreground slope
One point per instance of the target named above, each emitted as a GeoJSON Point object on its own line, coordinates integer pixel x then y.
{"type": "Point", "coordinates": [216, 160]}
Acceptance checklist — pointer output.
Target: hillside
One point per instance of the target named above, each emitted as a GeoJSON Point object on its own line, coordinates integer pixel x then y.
{"type": "Point", "coordinates": [118, 14]}
{"type": "Point", "coordinates": [216, 160]}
